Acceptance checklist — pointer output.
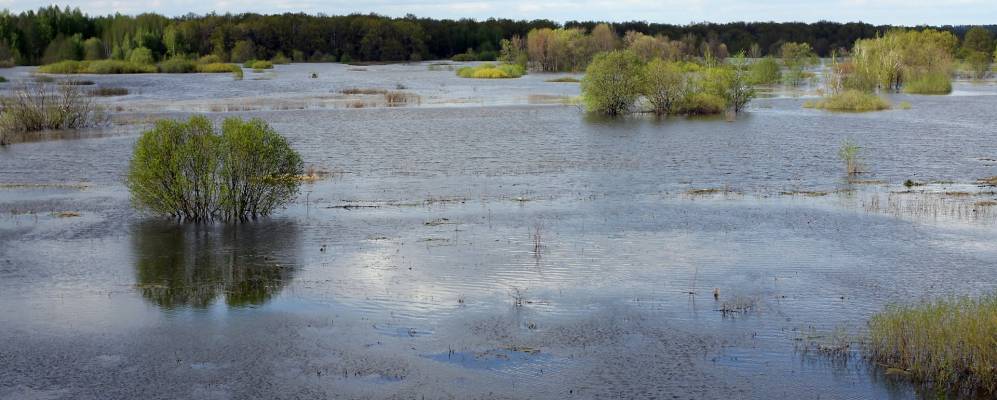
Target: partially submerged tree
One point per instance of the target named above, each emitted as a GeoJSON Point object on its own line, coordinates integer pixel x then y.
{"type": "Point", "coordinates": [612, 82]}
{"type": "Point", "coordinates": [188, 171]}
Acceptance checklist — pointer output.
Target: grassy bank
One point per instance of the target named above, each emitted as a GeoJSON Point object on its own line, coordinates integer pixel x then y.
{"type": "Point", "coordinates": [949, 344]}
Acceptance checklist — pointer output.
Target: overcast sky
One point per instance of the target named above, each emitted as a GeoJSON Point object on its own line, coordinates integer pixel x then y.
{"type": "Point", "coordinates": [895, 12]}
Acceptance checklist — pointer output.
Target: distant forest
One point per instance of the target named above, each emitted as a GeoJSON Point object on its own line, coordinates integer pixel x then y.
{"type": "Point", "coordinates": [52, 34]}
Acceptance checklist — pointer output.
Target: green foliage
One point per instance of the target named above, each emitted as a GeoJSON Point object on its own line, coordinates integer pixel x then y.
{"type": "Point", "coordinates": [977, 39]}
{"type": "Point", "coordinates": [178, 65]}
{"type": "Point", "coordinates": [258, 64]}
{"type": "Point", "coordinates": [38, 107]}
{"type": "Point", "coordinates": [702, 104]}
{"type": "Point", "coordinates": [664, 86]}
{"type": "Point", "coordinates": [215, 68]}
{"type": "Point", "coordinates": [93, 49]}
{"type": "Point", "coordinates": [96, 67]}
{"type": "Point", "coordinates": [189, 171]}
{"type": "Point", "coordinates": [765, 71]}
{"type": "Point", "coordinates": [935, 82]}
{"type": "Point", "coordinates": [64, 48]}
{"type": "Point", "coordinates": [280, 58]}
{"type": "Point", "coordinates": [492, 71]}
{"type": "Point", "coordinates": [979, 63]}
{"type": "Point", "coordinates": [612, 82]}
{"type": "Point", "coordinates": [244, 50]}
{"type": "Point", "coordinates": [947, 343]}
{"type": "Point", "coordinates": [851, 100]}
{"type": "Point", "coordinates": [210, 59]}
{"type": "Point", "coordinates": [141, 56]}
{"type": "Point", "coordinates": [849, 154]}
{"type": "Point", "coordinates": [903, 56]}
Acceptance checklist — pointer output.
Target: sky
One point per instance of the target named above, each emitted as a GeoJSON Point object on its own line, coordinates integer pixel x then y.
{"type": "Point", "coordinates": [892, 12]}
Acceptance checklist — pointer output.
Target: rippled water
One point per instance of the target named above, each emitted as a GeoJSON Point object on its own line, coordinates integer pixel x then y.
{"type": "Point", "coordinates": [487, 242]}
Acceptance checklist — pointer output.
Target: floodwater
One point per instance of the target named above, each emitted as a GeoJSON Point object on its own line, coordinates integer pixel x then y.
{"type": "Point", "coordinates": [487, 239]}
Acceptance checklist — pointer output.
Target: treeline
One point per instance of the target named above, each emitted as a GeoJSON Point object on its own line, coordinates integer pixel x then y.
{"type": "Point", "coordinates": [52, 34]}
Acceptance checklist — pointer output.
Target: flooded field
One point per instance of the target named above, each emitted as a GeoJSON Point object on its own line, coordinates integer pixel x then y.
{"type": "Point", "coordinates": [487, 239]}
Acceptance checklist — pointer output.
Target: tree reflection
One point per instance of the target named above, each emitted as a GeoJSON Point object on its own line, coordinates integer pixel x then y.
{"type": "Point", "coordinates": [191, 265]}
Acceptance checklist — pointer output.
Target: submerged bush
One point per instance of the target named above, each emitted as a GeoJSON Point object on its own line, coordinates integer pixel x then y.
{"type": "Point", "coordinates": [38, 107]}
{"type": "Point", "coordinates": [190, 172]}
{"type": "Point", "coordinates": [664, 86]}
{"type": "Point", "coordinates": [492, 71]}
{"type": "Point", "coordinates": [765, 72]}
{"type": "Point", "coordinates": [258, 64]}
{"type": "Point", "coordinates": [931, 83]}
{"type": "Point", "coordinates": [215, 68]}
{"type": "Point", "coordinates": [612, 82]}
{"type": "Point", "coordinates": [851, 100]}
{"type": "Point", "coordinates": [948, 344]}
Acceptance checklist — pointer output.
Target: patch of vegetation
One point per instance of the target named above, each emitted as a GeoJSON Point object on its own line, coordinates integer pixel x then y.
{"type": "Point", "coordinates": [564, 79]}
{"type": "Point", "coordinates": [492, 71]}
{"type": "Point", "coordinates": [109, 91]}
{"type": "Point", "coordinates": [38, 107]}
{"type": "Point", "coordinates": [947, 344]}
{"type": "Point", "coordinates": [367, 91]}
{"type": "Point", "coordinates": [178, 65]}
{"type": "Point", "coordinates": [765, 72]}
{"type": "Point", "coordinates": [849, 153]}
{"type": "Point", "coordinates": [217, 68]}
{"type": "Point", "coordinates": [930, 83]}
{"type": "Point", "coordinates": [191, 172]}
{"type": "Point", "coordinates": [280, 58]}
{"type": "Point", "coordinates": [258, 64]}
{"type": "Point", "coordinates": [615, 81]}
{"type": "Point", "coordinates": [97, 67]}
{"type": "Point", "coordinates": [850, 100]}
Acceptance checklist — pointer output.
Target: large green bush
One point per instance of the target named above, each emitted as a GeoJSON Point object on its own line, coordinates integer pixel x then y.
{"type": "Point", "coordinates": [189, 171]}
{"type": "Point", "coordinates": [612, 82]}
{"type": "Point", "coordinates": [664, 86]}
{"type": "Point", "coordinates": [765, 72]}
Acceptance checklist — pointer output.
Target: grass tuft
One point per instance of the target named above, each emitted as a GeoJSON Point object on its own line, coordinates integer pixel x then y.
{"type": "Point", "coordinates": [492, 71]}
{"type": "Point", "coordinates": [950, 344]}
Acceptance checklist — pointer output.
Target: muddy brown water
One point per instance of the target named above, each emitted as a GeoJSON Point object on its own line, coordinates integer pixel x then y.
{"type": "Point", "coordinates": [483, 244]}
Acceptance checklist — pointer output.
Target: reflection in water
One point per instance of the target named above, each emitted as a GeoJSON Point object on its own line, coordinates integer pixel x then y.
{"type": "Point", "coordinates": [193, 264]}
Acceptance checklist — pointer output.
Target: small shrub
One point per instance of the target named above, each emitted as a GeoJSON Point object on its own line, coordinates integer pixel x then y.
{"type": "Point", "coordinates": [38, 107]}
{"type": "Point", "coordinates": [141, 56]}
{"type": "Point", "coordinates": [189, 171]}
{"type": "Point", "coordinates": [397, 98]}
{"type": "Point", "coordinates": [280, 58]}
{"type": "Point", "coordinates": [178, 65]}
{"type": "Point", "coordinates": [703, 104]}
{"type": "Point", "coordinates": [852, 100]}
{"type": "Point", "coordinates": [765, 72]}
{"type": "Point", "coordinates": [948, 343]}
{"type": "Point", "coordinates": [849, 153]}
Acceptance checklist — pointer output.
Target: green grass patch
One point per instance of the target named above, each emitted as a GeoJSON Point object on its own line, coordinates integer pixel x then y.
{"type": "Point", "coordinates": [850, 100]}
{"type": "Point", "coordinates": [950, 344]}
{"type": "Point", "coordinates": [492, 71]}
{"type": "Point", "coordinates": [933, 83]}
{"type": "Point", "coordinates": [97, 67]}
{"type": "Point", "coordinates": [178, 65]}
{"type": "Point", "coordinates": [258, 64]}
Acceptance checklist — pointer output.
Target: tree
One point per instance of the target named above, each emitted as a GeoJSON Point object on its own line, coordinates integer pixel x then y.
{"type": "Point", "coordinates": [244, 50]}
{"type": "Point", "coordinates": [797, 57]}
{"type": "Point", "coordinates": [664, 85]}
{"type": "Point", "coordinates": [612, 83]}
{"type": "Point", "coordinates": [978, 39]}
{"type": "Point", "coordinates": [188, 171]}
{"type": "Point", "coordinates": [603, 38]}
{"type": "Point", "coordinates": [142, 56]}
{"type": "Point", "coordinates": [93, 49]}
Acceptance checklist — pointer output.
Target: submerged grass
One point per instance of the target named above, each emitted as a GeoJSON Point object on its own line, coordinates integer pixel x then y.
{"type": "Point", "coordinates": [492, 71]}
{"type": "Point", "coordinates": [565, 79]}
{"type": "Point", "coordinates": [949, 344]}
{"type": "Point", "coordinates": [850, 100]}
